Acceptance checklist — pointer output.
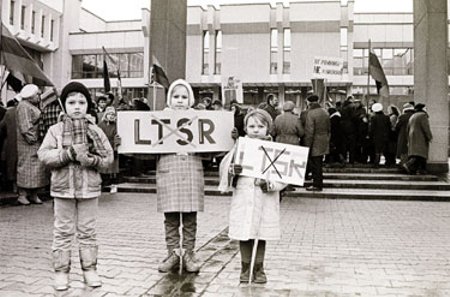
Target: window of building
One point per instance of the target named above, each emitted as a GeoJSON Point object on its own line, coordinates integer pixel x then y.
{"type": "Point", "coordinates": [43, 26]}
{"type": "Point", "coordinates": [52, 27]}
{"type": "Point", "coordinates": [91, 65]}
{"type": "Point", "coordinates": [287, 51]}
{"type": "Point", "coordinates": [22, 17]}
{"type": "Point", "coordinates": [273, 51]}
{"type": "Point", "coordinates": [205, 58]}
{"type": "Point", "coordinates": [11, 12]}
{"type": "Point", "coordinates": [218, 55]}
{"type": "Point", "coordinates": [33, 21]}
{"type": "Point", "coordinates": [344, 39]}
{"type": "Point", "coordinates": [395, 61]}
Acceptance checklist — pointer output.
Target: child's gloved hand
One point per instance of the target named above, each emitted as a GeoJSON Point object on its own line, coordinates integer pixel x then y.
{"type": "Point", "coordinates": [235, 169]}
{"type": "Point", "coordinates": [235, 133]}
{"type": "Point", "coordinates": [80, 149]}
{"type": "Point", "coordinates": [265, 187]}
{"type": "Point", "coordinates": [88, 160]}
{"type": "Point", "coordinates": [117, 140]}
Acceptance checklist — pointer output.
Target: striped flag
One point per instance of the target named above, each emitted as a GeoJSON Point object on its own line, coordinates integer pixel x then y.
{"type": "Point", "coordinates": [377, 73]}
{"type": "Point", "coordinates": [16, 58]}
{"type": "Point", "coordinates": [159, 76]}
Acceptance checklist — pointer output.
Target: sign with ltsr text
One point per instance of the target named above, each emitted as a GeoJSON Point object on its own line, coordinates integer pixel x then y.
{"type": "Point", "coordinates": [172, 131]}
{"type": "Point", "coordinates": [275, 161]}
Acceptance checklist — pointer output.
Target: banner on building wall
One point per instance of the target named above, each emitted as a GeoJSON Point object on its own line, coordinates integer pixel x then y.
{"type": "Point", "coordinates": [328, 68]}
{"type": "Point", "coordinates": [231, 91]}
{"type": "Point", "coordinates": [274, 161]}
{"type": "Point", "coordinates": [171, 131]}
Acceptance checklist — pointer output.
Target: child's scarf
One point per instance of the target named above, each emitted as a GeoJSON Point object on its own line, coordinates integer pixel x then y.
{"type": "Point", "coordinates": [80, 131]}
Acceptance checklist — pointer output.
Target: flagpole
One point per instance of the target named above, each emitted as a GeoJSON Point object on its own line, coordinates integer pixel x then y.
{"type": "Point", "coordinates": [368, 76]}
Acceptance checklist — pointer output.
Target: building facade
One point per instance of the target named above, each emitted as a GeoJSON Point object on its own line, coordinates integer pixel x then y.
{"type": "Point", "coordinates": [269, 48]}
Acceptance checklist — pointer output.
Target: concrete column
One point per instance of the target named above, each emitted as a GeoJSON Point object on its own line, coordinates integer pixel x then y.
{"type": "Point", "coordinates": [430, 74]}
{"type": "Point", "coordinates": [168, 40]}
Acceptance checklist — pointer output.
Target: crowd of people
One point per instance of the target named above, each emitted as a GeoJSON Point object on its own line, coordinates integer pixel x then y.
{"type": "Point", "coordinates": [69, 142]}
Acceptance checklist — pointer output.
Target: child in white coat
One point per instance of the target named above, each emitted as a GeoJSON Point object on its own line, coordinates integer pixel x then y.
{"type": "Point", "coordinates": [255, 204]}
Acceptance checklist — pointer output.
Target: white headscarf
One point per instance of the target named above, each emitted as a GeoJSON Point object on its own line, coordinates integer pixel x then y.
{"type": "Point", "coordinates": [187, 86]}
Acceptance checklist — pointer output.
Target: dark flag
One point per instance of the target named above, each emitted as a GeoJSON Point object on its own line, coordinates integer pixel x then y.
{"type": "Point", "coordinates": [16, 58]}
{"type": "Point", "coordinates": [106, 82]}
{"type": "Point", "coordinates": [377, 73]}
{"type": "Point", "coordinates": [159, 76]}
{"type": "Point", "coordinates": [15, 83]}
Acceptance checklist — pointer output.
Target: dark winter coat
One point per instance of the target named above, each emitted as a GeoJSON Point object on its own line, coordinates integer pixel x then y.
{"type": "Point", "coordinates": [401, 130]}
{"type": "Point", "coordinates": [336, 138]}
{"type": "Point", "coordinates": [317, 131]}
{"type": "Point", "coordinates": [419, 135]}
{"type": "Point", "coordinates": [287, 128]}
{"type": "Point", "coordinates": [379, 130]}
{"type": "Point", "coordinates": [9, 150]}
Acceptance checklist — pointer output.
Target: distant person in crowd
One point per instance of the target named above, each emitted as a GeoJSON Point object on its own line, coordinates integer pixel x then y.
{"type": "Point", "coordinates": [287, 127]}
{"type": "Point", "coordinates": [380, 127]}
{"type": "Point", "coordinates": [349, 130]}
{"type": "Point", "coordinates": [255, 203]}
{"type": "Point", "coordinates": [180, 190]}
{"type": "Point", "coordinates": [110, 99]}
{"type": "Point", "coordinates": [101, 106]}
{"type": "Point", "coordinates": [51, 110]}
{"type": "Point", "coordinates": [8, 154]}
{"type": "Point", "coordinates": [31, 173]}
{"type": "Point", "coordinates": [217, 105]}
{"type": "Point", "coordinates": [317, 138]}
{"type": "Point", "coordinates": [419, 138]}
{"type": "Point", "coordinates": [361, 124]}
{"type": "Point", "coordinates": [391, 149]}
{"type": "Point", "coordinates": [141, 104]}
{"type": "Point", "coordinates": [75, 149]}
{"type": "Point", "coordinates": [271, 106]}
{"type": "Point", "coordinates": [238, 118]}
{"type": "Point", "coordinates": [109, 126]}
{"type": "Point", "coordinates": [336, 139]}
{"type": "Point", "coordinates": [207, 102]}
{"type": "Point", "coordinates": [401, 130]}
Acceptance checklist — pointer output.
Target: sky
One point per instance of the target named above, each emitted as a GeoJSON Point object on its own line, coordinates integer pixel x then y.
{"type": "Point", "coordinates": [116, 10]}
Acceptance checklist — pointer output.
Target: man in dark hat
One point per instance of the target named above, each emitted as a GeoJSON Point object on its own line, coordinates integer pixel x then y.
{"type": "Point", "coordinates": [317, 138]}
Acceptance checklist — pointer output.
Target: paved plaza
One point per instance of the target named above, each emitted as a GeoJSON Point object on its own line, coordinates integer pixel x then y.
{"type": "Point", "coordinates": [328, 248]}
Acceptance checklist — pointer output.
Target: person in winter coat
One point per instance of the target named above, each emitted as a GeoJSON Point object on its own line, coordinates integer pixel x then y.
{"type": "Point", "coordinates": [379, 129]}
{"type": "Point", "coordinates": [391, 148]}
{"type": "Point", "coordinates": [419, 138]}
{"type": "Point", "coordinates": [271, 106]}
{"type": "Point", "coordinates": [287, 127]}
{"type": "Point", "coordinates": [349, 129]}
{"type": "Point", "coordinates": [336, 139]}
{"type": "Point", "coordinates": [238, 117]}
{"type": "Point", "coordinates": [31, 173]}
{"type": "Point", "coordinates": [255, 204]}
{"type": "Point", "coordinates": [8, 154]}
{"type": "Point", "coordinates": [401, 130]}
{"type": "Point", "coordinates": [180, 190]}
{"type": "Point", "coordinates": [109, 126]}
{"type": "Point", "coordinates": [317, 138]}
{"type": "Point", "coordinates": [75, 150]}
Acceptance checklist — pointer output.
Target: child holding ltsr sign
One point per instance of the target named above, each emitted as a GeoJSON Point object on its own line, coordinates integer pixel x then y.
{"type": "Point", "coordinates": [255, 204]}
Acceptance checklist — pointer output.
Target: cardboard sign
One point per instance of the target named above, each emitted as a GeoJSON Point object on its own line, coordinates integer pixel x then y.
{"type": "Point", "coordinates": [274, 161]}
{"type": "Point", "coordinates": [328, 67]}
{"type": "Point", "coordinates": [172, 131]}
{"type": "Point", "coordinates": [231, 91]}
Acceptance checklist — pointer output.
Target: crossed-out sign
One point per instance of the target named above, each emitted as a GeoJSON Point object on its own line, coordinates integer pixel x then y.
{"type": "Point", "coordinates": [271, 160]}
{"type": "Point", "coordinates": [173, 131]}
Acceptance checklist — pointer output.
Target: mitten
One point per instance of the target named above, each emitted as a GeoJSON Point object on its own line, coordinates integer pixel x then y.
{"type": "Point", "coordinates": [80, 149]}
{"type": "Point", "coordinates": [67, 155]}
{"type": "Point", "coordinates": [264, 186]}
{"type": "Point", "coordinates": [117, 140]}
{"type": "Point", "coordinates": [88, 160]}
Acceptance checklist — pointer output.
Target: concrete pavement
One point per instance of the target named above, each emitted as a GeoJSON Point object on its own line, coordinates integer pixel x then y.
{"type": "Point", "coordinates": [328, 248]}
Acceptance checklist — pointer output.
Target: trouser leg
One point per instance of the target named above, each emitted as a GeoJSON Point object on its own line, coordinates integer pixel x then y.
{"type": "Point", "coordinates": [189, 230]}
{"type": "Point", "coordinates": [172, 225]}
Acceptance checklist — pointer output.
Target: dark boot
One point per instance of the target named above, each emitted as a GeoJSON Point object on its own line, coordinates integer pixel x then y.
{"type": "Point", "coordinates": [61, 264]}
{"type": "Point", "coordinates": [88, 259]}
{"type": "Point", "coordinates": [245, 272]}
{"type": "Point", "coordinates": [170, 262]}
{"type": "Point", "coordinates": [259, 276]}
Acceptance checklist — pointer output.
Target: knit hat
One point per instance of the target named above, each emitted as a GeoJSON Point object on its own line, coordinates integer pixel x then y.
{"type": "Point", "coordinates": [29, 91]}
{"type": "Point", "coordinates": [312, 98]}
{"type": "Point", "coordinates": [75, 87]}
{"type": "Point", "coordinates": [376, 107]}
{"type": "Point", "coordinates": [288, 106]}
{"type": "Point", "coordinates": [261, 112]}
{"type": "Point", "coordinates": [108, 110]}
{"type": "Point", "coordinates": [184, 83]}
{"type": "Point", "coordinates": [407, 106]}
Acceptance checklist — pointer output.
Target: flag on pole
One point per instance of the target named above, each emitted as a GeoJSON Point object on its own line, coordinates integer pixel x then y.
{"type": "Point", "coordinates": [159, 76]}
{"type": "Point", "coordinates": [377, 73]}
{"type": "Point", "coordinates": [106, 81]}
{"type": "Point", "coordinates": [16, 58]}
{"type": "Point", "coordinates": [15, 83]}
